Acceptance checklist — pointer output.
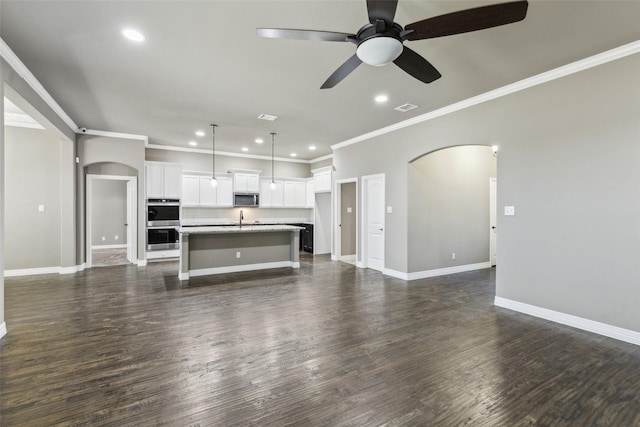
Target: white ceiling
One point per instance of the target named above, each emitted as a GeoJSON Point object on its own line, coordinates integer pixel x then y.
{"type": "Point", "coordinates": [202, 62]}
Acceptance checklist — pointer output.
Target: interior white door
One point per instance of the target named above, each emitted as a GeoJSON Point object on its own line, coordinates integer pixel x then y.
{"type": "Point", "coordinates": [493, 209]}
{"type": "Point", "coordinates": [374, 208]}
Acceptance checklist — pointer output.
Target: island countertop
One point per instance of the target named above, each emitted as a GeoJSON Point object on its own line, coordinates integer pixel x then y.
{"type": "Point", "coordinates": [226, 229]}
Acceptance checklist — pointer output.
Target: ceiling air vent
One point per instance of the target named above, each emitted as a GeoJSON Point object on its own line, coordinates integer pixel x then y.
{"type": "Point", "coordinates": [405, 107]}
{"type": "Point", "coordinates": [267, 117]}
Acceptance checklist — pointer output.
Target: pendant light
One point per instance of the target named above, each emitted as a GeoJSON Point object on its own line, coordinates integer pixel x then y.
{"type": "Point", "coordinates": [273, 181]}
{"type": "Point", "coordinates": [214, 181]}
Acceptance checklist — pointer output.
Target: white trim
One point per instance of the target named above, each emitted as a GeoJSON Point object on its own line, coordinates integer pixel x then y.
{"type": "Point", "coordinates": [436, 272]}
{"type": "Point", "coordinates": [334, 257]}
{"type": "Point", "coordinates": [142, 263]}
{"type": "Point", "coordinates": [108, 246]}
{"type": "Point", "coordinates": [3, 329]}
{"type": "Point", "coordinates": [563, 71]}
{"type": "Point", "coordinates": [599, 328]}
{"type": "Point", "coordinates": [31, 271]}
{"type": "Point", "coordinates": [113, 134]}
{"type": "Point", "coordinates": [244, 267]}
{"type": "Point", "coordinates": [359, 264]}
{"type": "Point", "coordinates": [69, 270]}
{"type": "Point", "coordinates": [43, 270]}
{"type": "Point", "coordinates": [319, 159]}
{"type": "Point", "coordinates": [183, 276]}
{"type": "Point", "coordinates": [22, 70]}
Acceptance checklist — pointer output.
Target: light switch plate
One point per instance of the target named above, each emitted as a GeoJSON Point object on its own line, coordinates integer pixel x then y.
{"type": "Point", "coordinates": [349, 210]}
{"type": "Point", "coordinates": [509, 210]}
{"type": "Point", "coordinates": [40, 208]}
{"type": "Point", "coordinates": [389, 209]}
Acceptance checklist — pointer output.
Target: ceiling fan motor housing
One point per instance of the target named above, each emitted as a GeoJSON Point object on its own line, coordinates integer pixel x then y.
{"type": "Point", "coordinates": [379, 44]}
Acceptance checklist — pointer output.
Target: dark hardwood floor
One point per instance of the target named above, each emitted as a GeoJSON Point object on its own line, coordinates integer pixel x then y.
{"type": "Point", "coordinates": [328, 345]}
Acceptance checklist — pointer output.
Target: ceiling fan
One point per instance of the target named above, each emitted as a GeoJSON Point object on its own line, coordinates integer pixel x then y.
{"type": "Point", "coordinates": [381, 40]}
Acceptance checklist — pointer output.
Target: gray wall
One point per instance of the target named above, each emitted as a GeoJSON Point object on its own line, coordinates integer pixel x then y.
{"type": "Point", "coordinates": [348, 219]}
{"type": "Point", "coordinates": [448, 200]}
{"type": "Point", "coordinates": [32, 178]}
{"type": "Point", "coordinates": [11, 84]}
{"type": "Point", "coordinates": [568, 162]}
{"type": "Point", "coordinates": [94, 152]}
{"type": "Point", "coordinates": [322, 164]}
{"type": "Point", "coordinates": [108, 212]}
{"type": "Point", "coordinates": [203, 163]}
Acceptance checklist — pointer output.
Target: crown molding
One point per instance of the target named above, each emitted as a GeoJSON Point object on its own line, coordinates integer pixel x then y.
{"type": "Point", "coordinates": [225, 153]}
{"type": "Point", "coordinates": [93, 132]}
{"type": "Point", "coordinates": [547, 76]}
{"type": "Point", "coordinates": [22, 70]}
{"type": "Point", "coordinates": [319, 159]}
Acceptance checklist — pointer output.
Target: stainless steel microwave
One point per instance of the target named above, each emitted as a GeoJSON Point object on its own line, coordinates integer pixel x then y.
{"type": "Point", "coordinates": [246, 200]}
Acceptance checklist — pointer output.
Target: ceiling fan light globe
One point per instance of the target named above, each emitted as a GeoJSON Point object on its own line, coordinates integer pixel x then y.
{"type": "Point", "coordinates": [379, 51]}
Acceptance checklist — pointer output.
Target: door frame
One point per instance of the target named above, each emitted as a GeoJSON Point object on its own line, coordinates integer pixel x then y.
{"type": "Point", "coordinates": [337, 214]}
{"type": "Point", "coordinates": [493, 219]}
{"type": "Point", "coordinates": [132, 215]}
{"type": "Point", "coordinates": [365, 215]}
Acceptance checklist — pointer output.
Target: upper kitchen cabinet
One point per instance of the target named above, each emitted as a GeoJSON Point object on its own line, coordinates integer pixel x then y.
{"type": "Point", "coordinates": [294, 194]}
{"type": "Point", "coordinates": [246, 181]}
{"type": "Point", "coordinates": [198, 191]}
{"type": "Point", "coordinates": [322, 179]}
{"type": "Point", "coordinates": [271, 197]}
{"type": "Point", "coordinates": [311, 194]}
{"type": "Point", "coordinates": [163, 180]}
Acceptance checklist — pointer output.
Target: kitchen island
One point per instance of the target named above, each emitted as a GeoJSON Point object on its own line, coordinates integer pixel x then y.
{"type": "Point", "coordinates": [221, 249]}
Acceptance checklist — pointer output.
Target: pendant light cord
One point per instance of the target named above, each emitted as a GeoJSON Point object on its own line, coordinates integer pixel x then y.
{"type": "Point", "coordinates": [213, 157]}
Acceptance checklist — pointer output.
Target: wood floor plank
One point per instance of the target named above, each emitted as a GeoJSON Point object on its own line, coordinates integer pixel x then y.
{"type": "Point", "coordinates": [325, 345]}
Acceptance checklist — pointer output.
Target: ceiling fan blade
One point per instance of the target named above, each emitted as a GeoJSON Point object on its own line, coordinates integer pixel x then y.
{"type": "Point", "coordinates": [416, 66]}
{"type": "Point", "coordinates": [343, 71]}
{"type": "Point", "coordinates": [382, 9]}
{"type": "Point", "coordinates": [288, 33]}
{"type": "Point", "coordinates": [464, 21]}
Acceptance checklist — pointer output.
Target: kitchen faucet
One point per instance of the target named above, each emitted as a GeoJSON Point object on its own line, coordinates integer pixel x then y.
{"type": "Point", "coordinates": [241, 217]}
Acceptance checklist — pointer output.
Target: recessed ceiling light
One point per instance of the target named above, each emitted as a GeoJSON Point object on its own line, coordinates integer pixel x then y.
{"type": "Point", "coordinates": [381, 98]}
{"type": "Point", "coordinates": [269, 117]}
{"type": "Point", "coordinates": [312, 147]}
{"type": "Point", "coordinates": [199, 133]}
{"type": "Point", "coordinates": [245, 149]}
{"type": "Point", "coordinates": [133, 35]}
{"type": "Point", "coordinates": [259, 140]}
{"type": "Point", "coordinates": [193, 143]}
{"type": "Point", "coordinates": [293, 154]}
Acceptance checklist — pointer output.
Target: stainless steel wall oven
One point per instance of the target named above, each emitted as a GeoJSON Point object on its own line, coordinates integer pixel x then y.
{"type": "Point", "coordinates": [163, 222]}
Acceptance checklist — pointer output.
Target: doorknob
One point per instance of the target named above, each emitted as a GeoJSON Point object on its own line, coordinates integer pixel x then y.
{"type": "Point", "coordinates": [493, 227]}
{"type": "Point", "coordinates": [380, 229]}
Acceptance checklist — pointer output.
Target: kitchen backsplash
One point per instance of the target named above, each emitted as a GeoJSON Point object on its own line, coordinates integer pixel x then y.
{"type": "Point", "coordinates": [265, 215]}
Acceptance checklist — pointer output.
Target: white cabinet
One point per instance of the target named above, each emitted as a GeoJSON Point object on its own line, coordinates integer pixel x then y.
{"type": "Point", "coordinates": [246, 182]}
{"type": "Point", "coordinates": [190, 190]}
{"type": "Point", "coordinates": [197, 191]}
{"type": "Point", "coordinates": [311, 194]}
{"type": "Point", "coordinates": [225, 191]}
{"type": "Point", "coordinates": [208, 194]}
{"type": "Point", "coordinates": [271, 197]}
{"type": "Point", "coordinates": [294, 194]}
{"type": "Point", "coordinates": [322, 180]}
{"type": "Point", "coordinates": [163, 180]}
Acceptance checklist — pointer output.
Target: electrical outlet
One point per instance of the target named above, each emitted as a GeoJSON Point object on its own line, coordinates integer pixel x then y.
{"type": "Point", "coordinates": [116, 237]}
{"type": "Point", "coordinates": [453, 255]}
{"type": "Point", "coordinates": [348, 210]}
{"type": "Point", "coordinates": [40, 208]}
{"type": "Point", "coordinates": [104, 238]}
{"type": "Point", "coordinates": [238, 254]}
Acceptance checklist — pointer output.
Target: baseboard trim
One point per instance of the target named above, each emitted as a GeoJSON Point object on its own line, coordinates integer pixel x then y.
{"type": "Point", "coordinates": [109, 247]}
{"type": "Point", "coordinates": [3, 329]}
{"type": "Point", "coordinates": [359, 264]}
{"type": "Point", "coordinates": [436, 272]}
{"type": "Point", "coordinates": [142, 263]}
{"type": "Point", "coordinates": [621, 334]}
{"type": "Point", "coordinates": [244, 267]}
{"type": "Point", "coordinates": [334, 257]}
{"type": "Point", "coordinates": [31, 271]}
{"type": "Point", "coordinates": [44, 270]}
